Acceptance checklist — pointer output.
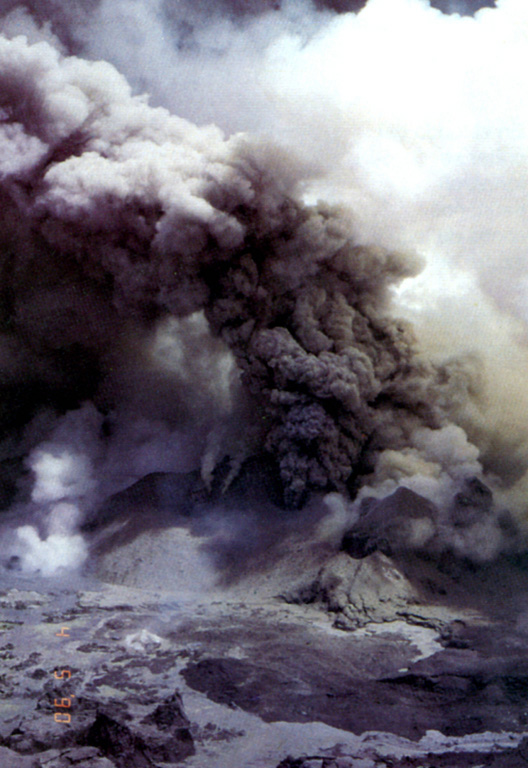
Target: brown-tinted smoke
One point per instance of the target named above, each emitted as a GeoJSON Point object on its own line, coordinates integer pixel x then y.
{"type": "Point", "coordinates": [116, 215]}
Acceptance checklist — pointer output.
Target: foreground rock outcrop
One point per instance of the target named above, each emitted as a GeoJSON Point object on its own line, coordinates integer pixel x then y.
{"type": "Point", "coordinates": [112, 730]}
{"type": "Point", "coordinates": [241, 678]}
{"type": "Point", "coordinates": [508, 757]}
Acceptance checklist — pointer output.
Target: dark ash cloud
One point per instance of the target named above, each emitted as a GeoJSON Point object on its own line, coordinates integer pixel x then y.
{"type": "Point", "coordinates": [117, 215]}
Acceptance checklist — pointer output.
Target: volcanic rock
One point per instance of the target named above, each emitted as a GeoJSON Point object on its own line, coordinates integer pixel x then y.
{"type": "Point", "coordinates": [470, 527]}
{"type": "Point", "coordinates": [514, 757]}
{"type": "Point", "coordinates": [389, 524]}
{"type": "Point", "coordinates": [373, 589]}
{"type": "Point", "coordinates": [471, 503]}
{"type": "Point", "coordinates": [76, 757]}
{"type": "Point", "coordinates": [167, 731]}
{"type": "Point", "coordinates": [126, 749]}
{"type": "Point", "coordinates": [162, 735]}
{"type": "Point", "coordinates": [13, 760]}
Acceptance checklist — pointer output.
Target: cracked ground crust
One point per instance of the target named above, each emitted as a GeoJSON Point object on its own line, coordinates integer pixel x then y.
{"type": "Point", "coordinates": [236, 661]}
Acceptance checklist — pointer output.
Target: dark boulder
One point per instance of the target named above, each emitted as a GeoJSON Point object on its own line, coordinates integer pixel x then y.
{"type": "Point", "coordinates": [471, 503]}
{"type": "Point", "coordinates": [162, 736]}
{"type": "Point", "coordinates": [115, 740]}
{"type": "Point", "coordinates": [173, 740]}
{"type": "Point", "coordinates": [387, 524]}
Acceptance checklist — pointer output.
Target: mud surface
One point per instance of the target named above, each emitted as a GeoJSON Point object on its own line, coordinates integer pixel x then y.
{"type": "Point", "coordinates": [157, 681]}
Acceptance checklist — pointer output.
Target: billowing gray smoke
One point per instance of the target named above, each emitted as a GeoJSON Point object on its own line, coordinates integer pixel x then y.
{"type": "Point", "coordinates": [116, 215]}
{"type": "Point", "coordinates": [174, 297]}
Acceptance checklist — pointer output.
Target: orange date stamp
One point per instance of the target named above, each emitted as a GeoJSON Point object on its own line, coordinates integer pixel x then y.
{"type": "Point", "coordinates": [64, 703]}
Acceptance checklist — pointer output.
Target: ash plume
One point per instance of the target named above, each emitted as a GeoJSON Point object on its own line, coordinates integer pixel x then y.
{"type": "Point", "coordinates": [172, 292]}
{"type": "Point", "coordinates": [117, 215]}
